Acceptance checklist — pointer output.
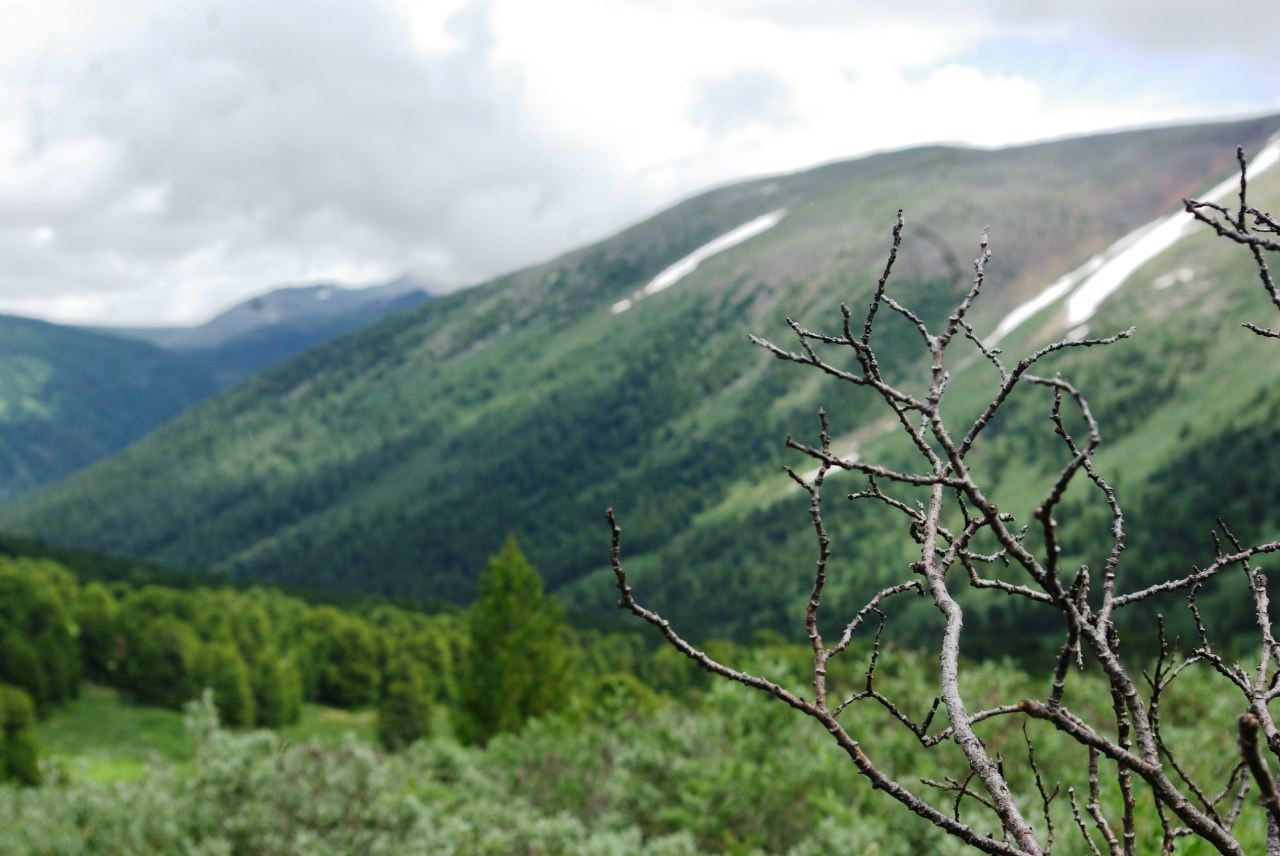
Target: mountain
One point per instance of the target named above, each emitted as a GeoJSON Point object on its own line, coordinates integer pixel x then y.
{"type": "Point", "coordinates": [266, 330]}
{"type": "Point", "coordinates": [396, 459]}
{"type": "Point", "coordinates": [69, 397]}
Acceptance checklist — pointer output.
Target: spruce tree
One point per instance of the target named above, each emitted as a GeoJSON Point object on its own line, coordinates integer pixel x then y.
{"type": "Point", "coordinates": [404, 712]}
{"type": "Point", "coordinates": [517, 666]}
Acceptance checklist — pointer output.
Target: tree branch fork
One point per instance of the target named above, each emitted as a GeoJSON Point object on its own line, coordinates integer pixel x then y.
{"type": "Point", "coordinates": [949, 525]}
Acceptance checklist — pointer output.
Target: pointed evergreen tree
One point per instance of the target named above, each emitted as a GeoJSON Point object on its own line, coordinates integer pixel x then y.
{"type": "Point", "coordinates": [404, 712]}
{"type": "Point", "coordinates": [518, 663]}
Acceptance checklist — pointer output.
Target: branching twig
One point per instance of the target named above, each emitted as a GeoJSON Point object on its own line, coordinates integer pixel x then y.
{"type": "Point", "coordinates": [958, 511]}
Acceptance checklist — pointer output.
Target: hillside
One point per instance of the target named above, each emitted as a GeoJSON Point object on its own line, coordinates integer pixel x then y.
{"type": "Point", "coordinates": [269, 329]}
{"type": "Point", "coordinates": [396, 459]}
{"type": "Point", "coordinates": [69, 397]}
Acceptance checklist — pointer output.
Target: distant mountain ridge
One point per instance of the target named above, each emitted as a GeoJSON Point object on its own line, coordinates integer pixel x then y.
{"type": "Point", "coordinates": [395, 459]}
{"type": "Point", "coordinates": [71, 395]}
{"type": "Point", "coordinates": [268, 329]}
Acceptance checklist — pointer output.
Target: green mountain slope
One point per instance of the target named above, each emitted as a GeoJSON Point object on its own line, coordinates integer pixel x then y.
{"type": "Point", "coordinates": [396, 459]}
{"type": "Point", "coordinates": [266, 330]}
{"type": "Point", "coordinates": [68, 397]}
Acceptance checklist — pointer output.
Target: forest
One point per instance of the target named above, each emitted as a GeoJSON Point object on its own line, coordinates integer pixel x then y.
{"type": "Point", "coordinates": [519, 724]}
{"type": "Point", "coordinates": [634, 749]}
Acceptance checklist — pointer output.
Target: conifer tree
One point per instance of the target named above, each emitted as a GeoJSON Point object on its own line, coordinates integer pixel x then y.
{"type": "Point", "coordinates": [404, 712]}
{"type": "Point", "coordinates": [517, 666]}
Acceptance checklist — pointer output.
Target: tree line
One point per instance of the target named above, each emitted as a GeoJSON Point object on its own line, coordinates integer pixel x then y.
{"type": "Point", "coordinates": [262, 653]}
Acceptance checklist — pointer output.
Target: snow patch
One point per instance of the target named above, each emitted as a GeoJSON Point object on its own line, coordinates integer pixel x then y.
{"type": "Point", "coordinates": [1184, 274]}
{"type": "Point", "coordinates": [1144, 245]}
{"type": "Point", "coordinates": [1102, 275]}
{"type": "Point", "coordinates": [1064, 284]}
{"type": "Point", "coordinates": [689, 263]}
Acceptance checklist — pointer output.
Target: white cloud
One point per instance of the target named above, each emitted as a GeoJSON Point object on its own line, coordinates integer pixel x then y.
{"type": "Point", "coordinates": [160, 160]}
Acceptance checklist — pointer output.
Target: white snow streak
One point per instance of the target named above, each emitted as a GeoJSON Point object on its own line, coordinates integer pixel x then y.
{"type": "Point", "coordinates": [1043, 299]}
{"type": "Point", "coordinates": [1104, 274]}
{"type": "Point", "coordinates": [689, 263]}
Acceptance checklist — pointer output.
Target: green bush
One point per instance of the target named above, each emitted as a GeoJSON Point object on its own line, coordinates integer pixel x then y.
{"type": "Point", "coordinates": [161, 660]}
{"type": "Point", "coordinates": [277, 691]}
{"type": "Point", "coordinates": [221, 669]}
{"type": "Point", "coordinates": [94, 610]}
{"type": "Point", "coordinates": [18, 750]}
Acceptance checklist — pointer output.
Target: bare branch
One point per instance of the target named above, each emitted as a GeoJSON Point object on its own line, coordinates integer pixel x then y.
{"type": "Point", "coordinates": [1268, 797]}
{"type": "Point", "coordinates": [959, 512]}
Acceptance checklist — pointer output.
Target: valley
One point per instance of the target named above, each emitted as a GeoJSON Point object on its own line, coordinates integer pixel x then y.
{"type": "Point", "coordinates": [386, 461]}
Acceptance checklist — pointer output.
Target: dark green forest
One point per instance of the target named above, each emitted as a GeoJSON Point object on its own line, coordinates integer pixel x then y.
{"type": "Point", "coordinates": [387, 461]}
{"type": "Point", "coordinates": [404, 530]}
{"type": "Point", "coordinates": [71, 397]}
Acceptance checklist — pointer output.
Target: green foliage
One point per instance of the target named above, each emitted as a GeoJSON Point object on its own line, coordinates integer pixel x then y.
{"type": "Point", "coordinates": [251, 647]}
{"type": "Point", "coordinates": [341, 654]}
{"type": "Point", "coordinates": [20, 666]}
{"type": "Point", "coordinates": [94, 610]}
{"type": "Point", "coordinates": [18, 749]}
{"type": "Point", "coordinates": [69, 397]}
{"type": "Point", "coordinates": [250, 629]}
{"type": "Point", "coordinates": [436, 650]}
{"type": "Point", "coordinates": [161, 662]}
{"type": "Point", "coordinates": [733, 773]}
{"type": "Point", "coordinates": [105, 737]}
{"type": "Point", "coordinates": [404, 712]}
{"type": "Point", "coordinates": [39, 651]}
{"type": "Point", "coordinates": [389, 460]}
{"type": "Point", "coordinates": [617, 695]}
{"type": "Point", "coordinates": [277, 691]}
{"type": "Point", "coordinates": [222, 670]}
{"type": "Point", "coordinates": [517, 662]}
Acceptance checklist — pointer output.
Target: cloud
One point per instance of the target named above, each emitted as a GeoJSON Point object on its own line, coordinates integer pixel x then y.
{"type": "Point", "coordinates": [160, 160]}
{"type": "Point", "coordinates": [272, 143]}
{"type": "Point", "coordinates": [745, 97]}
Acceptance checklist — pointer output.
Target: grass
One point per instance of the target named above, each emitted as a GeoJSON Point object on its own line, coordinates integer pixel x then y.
{"type": "Point", "coordinates": [104, 737]}
{"type": "Point", "coordinates": [330, 725]}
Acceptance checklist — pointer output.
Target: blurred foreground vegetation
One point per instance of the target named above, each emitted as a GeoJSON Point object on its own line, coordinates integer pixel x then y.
{"type": "Point", "coordinates": [638, 752]}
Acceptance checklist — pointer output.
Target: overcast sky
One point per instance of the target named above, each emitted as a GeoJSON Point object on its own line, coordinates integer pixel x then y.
{"type": "Point", "coordinates": [160, 161]}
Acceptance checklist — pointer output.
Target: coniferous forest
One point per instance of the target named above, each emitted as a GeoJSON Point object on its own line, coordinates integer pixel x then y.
{"type": "Point", "coordinates": [364, 601]}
